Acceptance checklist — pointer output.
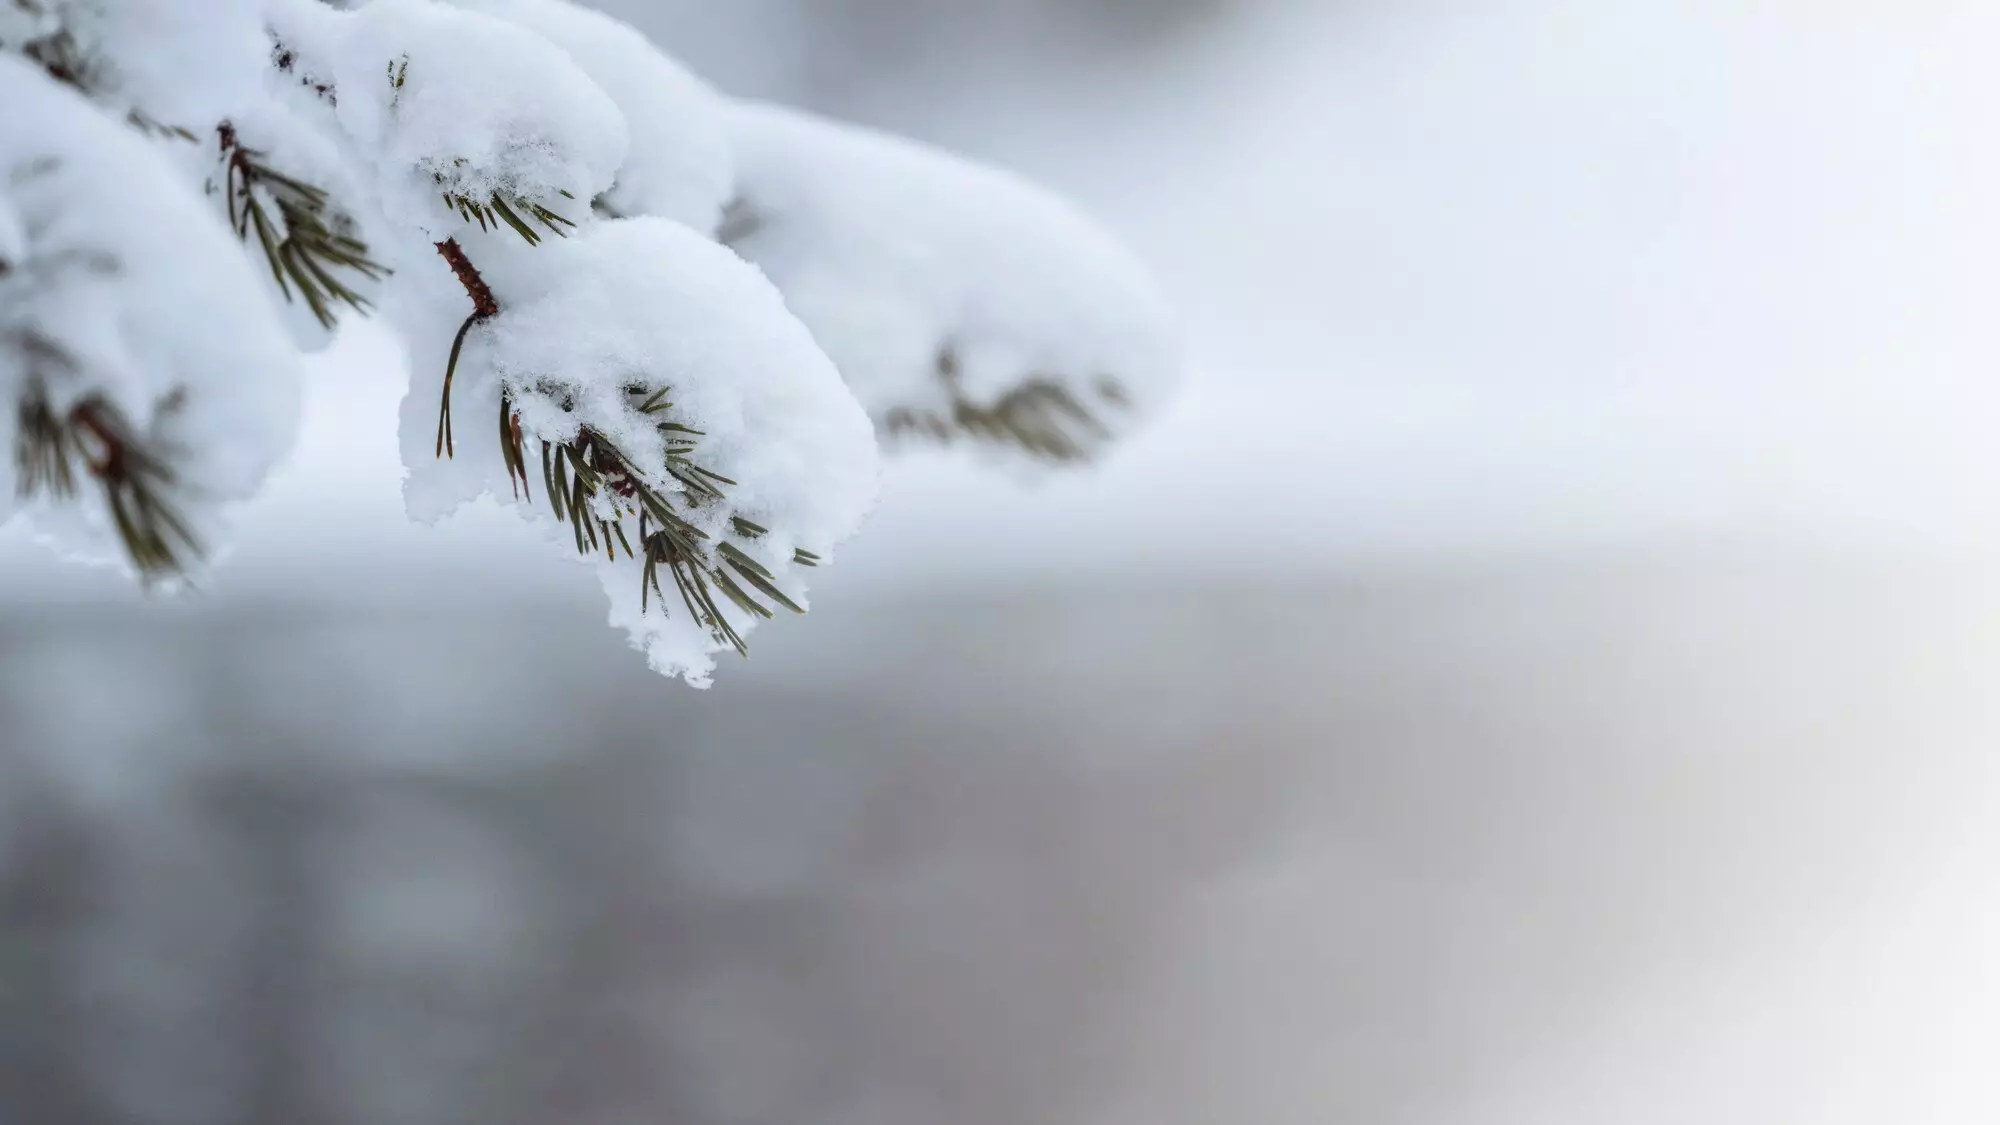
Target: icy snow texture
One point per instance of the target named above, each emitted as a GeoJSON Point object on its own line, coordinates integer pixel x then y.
{"type": "Point", "coordinates": [114, 263]}
{"type": "Point", "coordinates": [445, 101]}
{"type": "Point", "coordinates": [651, 303]}
{"type": "Point", "coordinates": [936, 283]}
{"type": "Point", "coordinates": [679, 166]}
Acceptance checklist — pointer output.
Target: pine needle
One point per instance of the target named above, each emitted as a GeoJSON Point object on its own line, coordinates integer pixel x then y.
{"type": "Point", "coordinates": [581, 472]}
{"type": "Point", "coordinates": [306, 244]}
{"type": "Point", "coordinates": [1041, 416]}
{"type": "Point", "coordinates": [135, 480]}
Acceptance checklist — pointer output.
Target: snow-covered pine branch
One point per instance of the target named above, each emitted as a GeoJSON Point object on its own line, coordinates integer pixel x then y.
{"type": "Point", "coordinates": [660, 320]}
{"type": "Point", "coordinates": [134, 380]}
{"type": "Point", "coordinates": [959, 301]}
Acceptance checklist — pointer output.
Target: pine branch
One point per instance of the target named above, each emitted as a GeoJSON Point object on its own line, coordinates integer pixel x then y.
{"type": "Point", "coordinates": [739, 221]}
{"type": "Point", "coordinates": [136, 481]}
{"type": "Point", "coordinates": [500, 209]}
{"type": "Point", "coordinates": [154, 128]}
{"type": "Point", "coordinates": [1040, 416]}
{"type": "Point", "coordinates": [594, 486]}
{"type": "Point", "coordinates": [511, 209]}
{"type": "Point", "coordinates": [484, 307]}
{"type": "Point", "coordinates": [63, 60]}
{"type": "Point", "coordinates": [58, 53]}
{"type": "Point", "coordinates": [307, 248]}
{"type": "Point", "coordinates": [284, 58]}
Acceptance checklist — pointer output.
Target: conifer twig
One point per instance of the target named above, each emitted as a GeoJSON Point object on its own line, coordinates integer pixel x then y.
{"type": "Point", "coordinates": [1041, 416]}
{"type": "Point", "coordinates": [484, 307]}
{"type": "Point", "coordinates": [307, 248]}
{"type": "Point", "coordinates": [496, 210]}
{"type": "Point", "coordinates": [135, 479]}
{"type": "Point", "coordinates": [594, 486]}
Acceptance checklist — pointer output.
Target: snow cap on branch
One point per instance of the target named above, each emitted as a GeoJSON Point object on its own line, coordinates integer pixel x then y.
{"type": "Point", "coordinates": [459, 110]}
{"type": "Point", "coordinates": [957, 300]}
{"type": "Point", "coordinates": [646, 340]}
{"type": "Point", "coordinates": [679, 166]}
{"type": "Point", "coordinates": [302, 198]}
{"type": "Point", "coordinates": [165, 63]}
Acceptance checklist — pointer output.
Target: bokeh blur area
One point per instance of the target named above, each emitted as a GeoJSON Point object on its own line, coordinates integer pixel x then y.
{"type": "Point", "coordinates": [1540, 670]}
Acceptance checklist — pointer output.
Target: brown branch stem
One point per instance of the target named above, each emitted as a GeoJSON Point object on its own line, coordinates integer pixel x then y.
{"type": "Point", "coordinates": [484, 307]}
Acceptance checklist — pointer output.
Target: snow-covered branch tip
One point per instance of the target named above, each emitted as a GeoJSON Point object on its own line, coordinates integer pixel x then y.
{"type": "Point", "coordinates": [494, 210]}
{"type": "Point", "coordinates": [1028, 331]}
{"type": "Point", "coordinates": [583, 475]}
{"type": "Point", "coordinates": [150, 388]}
{"type": "Point", "coordinates": [595, 485]}
{"type": "Point", "coordinates": [136, 482]}
{"type": "Point", "coordinates": [1042, 416]}
{"type": "Point", "coordinates": [308, 245]}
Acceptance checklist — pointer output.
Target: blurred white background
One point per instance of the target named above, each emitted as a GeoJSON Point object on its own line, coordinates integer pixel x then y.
{"type": "Point", "coordinates": [1539, 672]}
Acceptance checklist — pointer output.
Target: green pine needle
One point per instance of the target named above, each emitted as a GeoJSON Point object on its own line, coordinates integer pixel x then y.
{"type": "Point", "coordinates": [516, 213]}
{"type": "Point", "coordinates": [578, 475]}
{"type": "Point", "coordinates": [135, 480]}
{"type": "Point", "coordinates": [1040, 416]}
{"type": "Point", "coordinates": [306, 245]}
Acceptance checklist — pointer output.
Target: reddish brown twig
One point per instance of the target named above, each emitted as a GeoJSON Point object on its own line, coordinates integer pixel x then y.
{"type": "Point", "coordinates": [484, 307]}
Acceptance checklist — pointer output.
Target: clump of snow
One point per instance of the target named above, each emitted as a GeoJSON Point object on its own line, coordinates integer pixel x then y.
{"type": "Point", "coordinates": [679, 166]}
{"type": "Point", "coordinates": [594, 326]}
{"type": "Point", "coordinates": [168, 63]}
{"type": "Point", "coordinates": [452, 103]}
{"type": "Point", "coordinates": [941, 287]}
{"type": "Point", "coordinates": [120, 285]}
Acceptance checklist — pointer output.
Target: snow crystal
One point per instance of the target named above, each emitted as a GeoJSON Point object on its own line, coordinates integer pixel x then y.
{"type": "Point", "coordinates": [954, 298]}
{"type": "Point", "coordinates": [679, 166]}
{"type": "Point", "coordinates": [122, 287]}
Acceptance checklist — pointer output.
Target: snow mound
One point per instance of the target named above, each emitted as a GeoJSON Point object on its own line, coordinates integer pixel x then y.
{"type": "Point", "coordinates": [457, 108]}
{"type": "Point", "coordinates": [166, 63]}
{"type": "Point", "coordinates": [957, 300]}
{"type": "Point", "coordinates": [679, 166]}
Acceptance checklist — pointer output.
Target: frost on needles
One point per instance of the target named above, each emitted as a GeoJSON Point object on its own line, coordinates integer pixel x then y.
{"type": "Point", "coordinates": [670, 326]}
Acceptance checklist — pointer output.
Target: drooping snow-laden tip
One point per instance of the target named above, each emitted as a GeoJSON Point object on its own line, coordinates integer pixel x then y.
{"type": "Point", "coordinates": [657, 396]}
{"type": "Point", "coordinates": [144, 373]}
{"type": "Point", "coordinates": [959, 301]}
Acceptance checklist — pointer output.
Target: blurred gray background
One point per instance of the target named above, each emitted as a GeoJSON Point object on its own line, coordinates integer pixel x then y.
{"type": "Point", "coordinates": [1583, 714]}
